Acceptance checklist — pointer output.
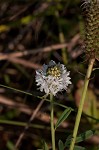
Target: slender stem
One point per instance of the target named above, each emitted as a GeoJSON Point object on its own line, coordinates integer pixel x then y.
{"type": "Point", "coordinates": [52, 122]}
{"type": "Point", "coordinates": [11, 88]}
{"type": "Point", "coordinates": [23, 124]}
{"type": "Point", "coordinates": [78, 117]}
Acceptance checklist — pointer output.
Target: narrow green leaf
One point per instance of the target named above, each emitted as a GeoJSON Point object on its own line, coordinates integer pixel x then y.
{"type": "Point", "coordinates": [60, 145]}
{"type": "Point", "coordinates": [64, 115]}
{"type": "Point", "coordinates": [81, 137]}
{"type": "Point", "coordinates": [45, 147]}
{"type": "Point", "coordinates": [79, 148]}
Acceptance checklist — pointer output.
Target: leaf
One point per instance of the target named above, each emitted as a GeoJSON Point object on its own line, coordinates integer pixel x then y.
{"type": "Point", "coordinates": [79, 148]}
{"type": "Point", "coordinates": [60, 145]}
{"type": "Point", "coordinates": [84, 136]}
{"type": "Point", "coordinates": [64, 115]}
{"type": "Point", "coordinates": [68, 140]}
{"type": "Point", "coordinates": [81, 137]}
{"type": "Point", "coordinates": [45, 147]}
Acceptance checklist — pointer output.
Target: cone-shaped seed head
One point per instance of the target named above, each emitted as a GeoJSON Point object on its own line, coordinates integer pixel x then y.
{"type": "Point", "coordinates": [91, 28]}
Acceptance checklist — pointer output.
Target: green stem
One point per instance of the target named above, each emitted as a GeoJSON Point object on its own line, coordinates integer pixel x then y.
{"type": "Point", "coordinates": [17, 90]}
{"type": "Point", "coordinates": [23, 124]}
{"type": "Point", "coordinates": [52, 122]}
{"type": "Point", "coordinates": [78, 117]}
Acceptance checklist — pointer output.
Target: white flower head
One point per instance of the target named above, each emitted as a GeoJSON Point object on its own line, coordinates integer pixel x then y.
{"type": "Point", "coordinates": [53, 78]}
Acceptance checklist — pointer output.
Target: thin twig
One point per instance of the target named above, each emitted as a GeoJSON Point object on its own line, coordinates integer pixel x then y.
{"type": "Point", "coordinates": [33, 51]}
{"type": "Point", "coordinates": [25, 63]}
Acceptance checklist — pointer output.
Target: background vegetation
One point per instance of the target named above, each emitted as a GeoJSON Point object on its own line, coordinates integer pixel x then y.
{"type": "Point", "coordinates": [33, 33]}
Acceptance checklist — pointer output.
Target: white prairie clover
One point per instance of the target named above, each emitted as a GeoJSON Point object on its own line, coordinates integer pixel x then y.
{"type": "Point", "coordinates": [53, 78]}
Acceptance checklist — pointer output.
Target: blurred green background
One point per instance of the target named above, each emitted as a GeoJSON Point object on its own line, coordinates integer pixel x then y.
{"type": "Point", "coordinates": [33, 33]}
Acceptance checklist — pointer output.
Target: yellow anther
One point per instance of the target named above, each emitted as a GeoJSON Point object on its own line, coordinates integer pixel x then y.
{"type": "Point", "coordinates": [54, 71]}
